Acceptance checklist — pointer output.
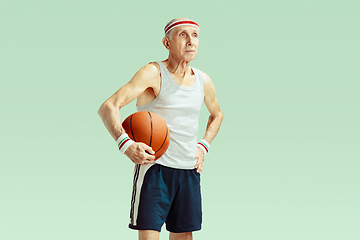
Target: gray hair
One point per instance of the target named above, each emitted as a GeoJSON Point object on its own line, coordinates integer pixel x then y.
{"type": "Point", "coordinates": [168, 34]}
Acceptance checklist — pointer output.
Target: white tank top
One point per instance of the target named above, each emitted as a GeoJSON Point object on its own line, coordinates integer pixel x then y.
{"type": "Point", "coordinates": [180, 107]}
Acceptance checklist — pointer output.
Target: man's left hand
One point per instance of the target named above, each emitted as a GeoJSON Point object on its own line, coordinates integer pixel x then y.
{"type": "Point", "coordinates": [199, 160]}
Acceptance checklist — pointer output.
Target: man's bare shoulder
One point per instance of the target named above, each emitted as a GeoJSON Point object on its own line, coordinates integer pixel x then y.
{"type": "Point", "coordinates": [147, 76]}
{"type": "Point", "coordinates": [206, 79]}
{"type": "Point", "coordinates": [151, 70]}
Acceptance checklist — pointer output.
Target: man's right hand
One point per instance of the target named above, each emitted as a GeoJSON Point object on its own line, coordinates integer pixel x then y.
{"type": "Point", "coordinates": [140, 153]}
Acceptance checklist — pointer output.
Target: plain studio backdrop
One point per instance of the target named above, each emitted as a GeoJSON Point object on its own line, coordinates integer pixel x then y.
{"type": "Point", "coordinates": [285, 164]}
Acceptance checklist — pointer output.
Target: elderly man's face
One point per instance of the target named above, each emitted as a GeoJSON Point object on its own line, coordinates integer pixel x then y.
{"type": "Point", "coordinates": [184, 42]}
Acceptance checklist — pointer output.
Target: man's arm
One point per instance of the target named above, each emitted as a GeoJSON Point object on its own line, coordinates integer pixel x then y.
{"type": "Point", "coordinates": [215, 118]}
{"type": "Point", "coordinates": [109, 113]}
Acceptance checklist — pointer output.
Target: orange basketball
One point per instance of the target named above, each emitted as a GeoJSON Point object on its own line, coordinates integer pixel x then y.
{"type": "Point", "coordinates": [149, 128]}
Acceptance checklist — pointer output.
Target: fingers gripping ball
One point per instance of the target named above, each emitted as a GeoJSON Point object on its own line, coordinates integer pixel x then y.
{"type": "Point", "coordinates": [149, 128]}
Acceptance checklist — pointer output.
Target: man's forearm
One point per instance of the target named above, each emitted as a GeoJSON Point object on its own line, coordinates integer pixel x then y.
{"type": "Point", "coordinates": [213, 127]}
{"type": "Point", "coordinates": [110, 116]}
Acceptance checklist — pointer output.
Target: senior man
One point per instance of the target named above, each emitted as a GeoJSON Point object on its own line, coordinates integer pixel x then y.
{"type": "Point", "coordinates": [168, 189]}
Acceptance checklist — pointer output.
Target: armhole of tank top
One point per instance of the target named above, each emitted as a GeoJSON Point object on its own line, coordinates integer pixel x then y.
{"type": "Point", "coordinates": [161, 72]}
{"type": "Point", "coordinates": [201, 81]}
{"type": "Point", "coordinates": [164, 74]}
{"type": "Point", "coordinates": [157, 97]}
{"type": "Point", "coordinates": [161, 78]}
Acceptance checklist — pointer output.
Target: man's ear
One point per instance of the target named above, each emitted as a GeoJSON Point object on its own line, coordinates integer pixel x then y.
{"type": "Point", "coordinates": [166, 42]}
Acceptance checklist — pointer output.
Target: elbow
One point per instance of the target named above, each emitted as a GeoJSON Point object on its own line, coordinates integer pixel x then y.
{"type": "Point", "coordinates": [220, 116]}
{"type": "Point", "coordinates": [101, 109]}
{"type": "Point", "coordinates": [104, 108]}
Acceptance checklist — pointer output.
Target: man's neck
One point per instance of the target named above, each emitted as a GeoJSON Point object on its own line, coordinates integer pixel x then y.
{"type": "Point", "coordinates": [178, 67]}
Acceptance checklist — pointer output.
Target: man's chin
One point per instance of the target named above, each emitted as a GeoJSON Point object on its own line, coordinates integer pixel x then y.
{"type": "Point", "coordinates": [189, 59]}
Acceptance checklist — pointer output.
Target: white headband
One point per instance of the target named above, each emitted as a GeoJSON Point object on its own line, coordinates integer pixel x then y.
{"type": "Point", "coordinates": [179, 23]}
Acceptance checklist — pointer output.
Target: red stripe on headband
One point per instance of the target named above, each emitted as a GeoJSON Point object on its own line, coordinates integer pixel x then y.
{"type": "Point", "coordinates": [179, 23]}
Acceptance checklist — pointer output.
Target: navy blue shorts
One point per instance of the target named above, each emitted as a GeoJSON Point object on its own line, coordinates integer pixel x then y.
{"type": "Point", "coordinates": [163, 194]}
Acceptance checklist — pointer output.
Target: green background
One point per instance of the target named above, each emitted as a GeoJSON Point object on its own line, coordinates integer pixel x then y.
{"type": "Point", "coordinates": [285, 164]}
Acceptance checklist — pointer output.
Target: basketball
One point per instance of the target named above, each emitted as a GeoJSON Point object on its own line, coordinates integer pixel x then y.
{"type": "Point", "coordinates": [148, 128]}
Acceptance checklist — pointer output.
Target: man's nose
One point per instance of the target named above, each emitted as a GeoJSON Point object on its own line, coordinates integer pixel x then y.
{"type": "Point", "coordinates": [190, 41]}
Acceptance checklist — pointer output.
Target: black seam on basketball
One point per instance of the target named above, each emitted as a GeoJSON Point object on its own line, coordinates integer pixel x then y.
{"type": "Point", "coordinates": [164, 140]}
{"type": "Point", "coordinates": [132, 133]}
{"type": "Point", "coordinates": [151, 124]}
